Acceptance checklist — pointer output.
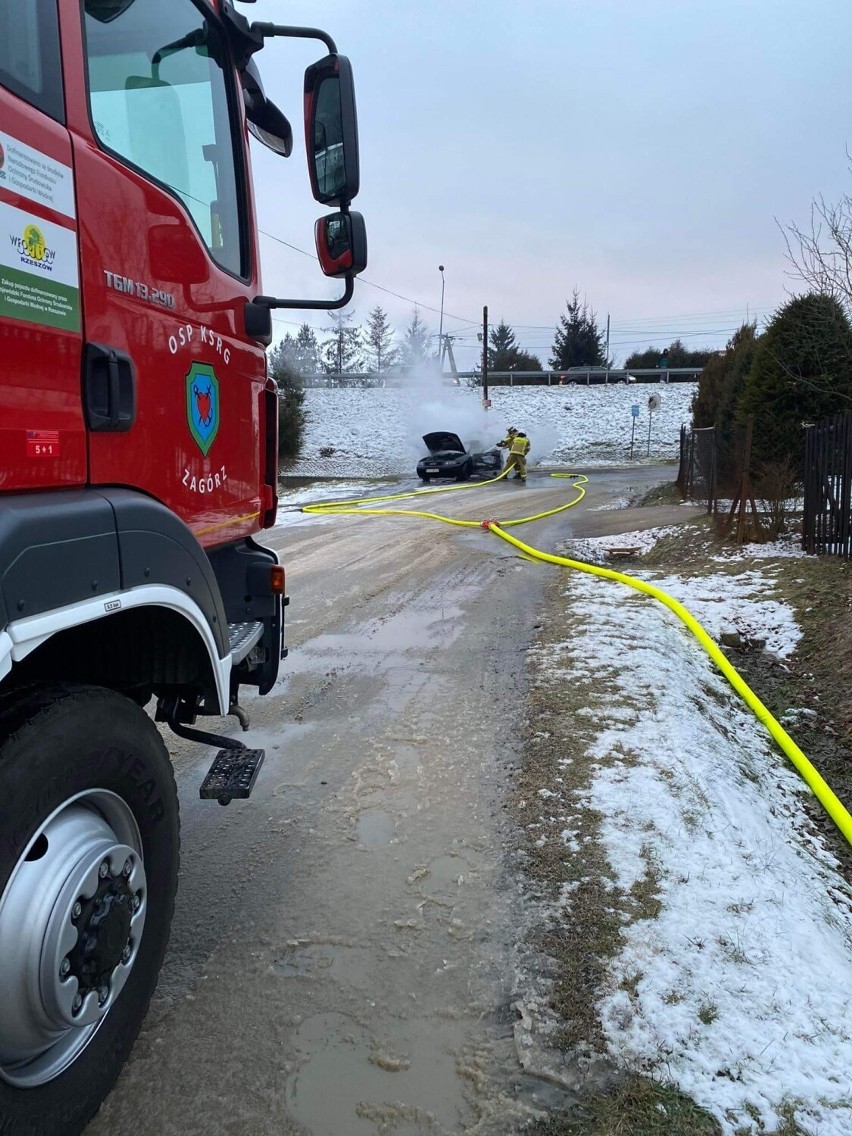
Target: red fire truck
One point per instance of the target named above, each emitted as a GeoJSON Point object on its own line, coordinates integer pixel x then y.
{"type": "Point", "coordinates": [138, 463]}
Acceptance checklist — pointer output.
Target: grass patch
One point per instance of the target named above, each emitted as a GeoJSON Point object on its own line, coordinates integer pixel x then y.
{"type": "Point", "coordinates": [708, 1013]}
{"type": "Point", "coordinates": [665, 494]}
{"type": "Point", "coordinates": [637, 1106]}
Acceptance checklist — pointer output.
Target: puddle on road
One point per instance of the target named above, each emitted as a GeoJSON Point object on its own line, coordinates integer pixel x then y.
{"type": "Point", "coordinates": [412, 630]}
{"type": "Point", "coordinates": [347, 964]}
{"type": "Point", "coordinates": [375, 828]}
{"type": "Point", "coordinates": [351, 1081]}
{"type": "Point", "coordinates": [444, 877]}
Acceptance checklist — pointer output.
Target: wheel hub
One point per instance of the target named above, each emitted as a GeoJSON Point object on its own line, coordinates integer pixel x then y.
{"type": "Point", "coordinates": [103, 934]}
{"type": "Point", "coordinates": [71, 920]}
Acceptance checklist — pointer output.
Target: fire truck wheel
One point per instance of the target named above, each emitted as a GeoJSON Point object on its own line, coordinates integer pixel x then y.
{"type": "Point", "coordinates": [89, 850]}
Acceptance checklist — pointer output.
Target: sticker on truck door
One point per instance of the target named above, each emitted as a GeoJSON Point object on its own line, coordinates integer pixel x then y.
{"type": "Point", "coordinates": [35, 175]}
{"type": "Point", "coordinates": [39, 279]}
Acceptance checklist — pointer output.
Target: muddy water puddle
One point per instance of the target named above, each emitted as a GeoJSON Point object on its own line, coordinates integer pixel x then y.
{"type": "Point", "coordinates": [401, 1082]}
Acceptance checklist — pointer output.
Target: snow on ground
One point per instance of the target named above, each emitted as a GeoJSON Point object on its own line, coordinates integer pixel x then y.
{"type": "Point", "coordinates": [788, 544]}
{"type": "Point", "coordinates": [378, 431]}
{"type": "Point", "coordinates": [740, 990]}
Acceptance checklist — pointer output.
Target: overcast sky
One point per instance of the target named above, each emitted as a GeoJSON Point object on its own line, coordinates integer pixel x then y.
{"type": "Point", "coordinates": [639, 150]}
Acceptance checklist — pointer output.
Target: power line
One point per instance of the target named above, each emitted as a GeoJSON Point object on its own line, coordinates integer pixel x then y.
{"type": "Point", "coordinates": [656, 326]}
{"type": "Point", "coordinates": [364, 280]}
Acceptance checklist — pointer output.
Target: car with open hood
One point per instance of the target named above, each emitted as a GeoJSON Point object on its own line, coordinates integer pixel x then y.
{"type": "Point", "coordinates": [448, 458]}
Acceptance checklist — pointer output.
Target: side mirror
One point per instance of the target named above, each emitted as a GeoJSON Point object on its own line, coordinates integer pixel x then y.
{"type": "Point", "coordinates": [265, 121]}
{"type": "Point", "coordinates": [341, 240]}
{"type": "Point", "coordinates": [105, 11]}
{"type": "Point", "coordinates": [331, 131]}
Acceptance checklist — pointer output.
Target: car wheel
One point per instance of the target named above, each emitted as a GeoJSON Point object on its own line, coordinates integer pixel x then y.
{"type": "Point", "coordinates": [88, 873]}
{"type": "Point", "coordinates": [425, 480]}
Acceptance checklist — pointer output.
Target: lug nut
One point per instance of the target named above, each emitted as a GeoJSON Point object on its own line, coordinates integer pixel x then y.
{"type": "Point", "coordinates": [76, 911]}
{"type": "Point", "coordinates": [128, 867]}
{"type": "Point", "coordinates": [126, 953]}
{"type": "Point", "coordinates": [103, 994]}
{"type": "Point", "coordinates": [137, 901]}
{"type": "Point", "coordinates": [77, 1003]}
{"type": "Point", "coordinates": [103, 870]}
{"type": "Point", "coordinates": [64, 967]}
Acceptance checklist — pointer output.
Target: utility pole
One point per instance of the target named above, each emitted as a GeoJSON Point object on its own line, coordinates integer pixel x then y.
{"type": "Point", "coordinates": [441, 327]}
{"type": "Point", "coordinates": [486, 402]}
{"type": "Point", "coordinates": [607, 341]}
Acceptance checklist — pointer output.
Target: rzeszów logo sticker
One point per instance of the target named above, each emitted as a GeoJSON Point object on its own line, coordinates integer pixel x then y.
{"type": "Point", "coordinates": [202, 405]}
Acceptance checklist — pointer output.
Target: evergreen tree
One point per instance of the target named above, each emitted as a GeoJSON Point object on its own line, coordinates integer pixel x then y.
{"type": "Point", "coordinates": [343, 352]}
{"type": "Point", "coordinates": [504, 353]}
{"type": "Point", "coordinates": [802, 371]}
{"type": "Point", "coordinates": [380, 349]}
{"type": "Point", "coordinates": [502, 347]}
{"type": "Point", "coordinates": [578, 341]}
{"type": "Point", "coordinates": [415, 346]}
{"type": "Point", "coordinates": [719, 389]}
{"type": "Point", "coordinates": [307, 350]}
{"type": "Point", "coordinates": [291, 398]}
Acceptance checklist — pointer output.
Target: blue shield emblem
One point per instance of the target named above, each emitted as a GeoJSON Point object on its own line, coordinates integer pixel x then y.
{"type": "Point", "coordinates": [202, 405]}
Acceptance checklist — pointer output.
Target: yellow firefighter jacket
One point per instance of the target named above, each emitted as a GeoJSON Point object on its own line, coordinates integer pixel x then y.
{"type": "Point", "coordinates": [515, 443]}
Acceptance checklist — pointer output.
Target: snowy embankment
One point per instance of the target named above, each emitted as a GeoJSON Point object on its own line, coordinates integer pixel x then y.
{"type": "Point", "coordinates": [379, 432]}
{"type": "Point", "coordinates": [739, 988]}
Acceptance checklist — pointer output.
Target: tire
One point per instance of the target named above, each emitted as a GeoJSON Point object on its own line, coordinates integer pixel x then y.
{"type": "Point", "coordinates": [425, 480]}
{"type": "Point", "coordinates": [89, 851]}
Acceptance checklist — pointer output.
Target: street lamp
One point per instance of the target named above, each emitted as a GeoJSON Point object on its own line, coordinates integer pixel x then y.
{"type": "Point", "coordinates": [441, 327]}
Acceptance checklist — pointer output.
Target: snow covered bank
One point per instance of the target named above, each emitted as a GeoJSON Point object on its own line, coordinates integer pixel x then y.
{"type": "Point", "coordinates": [739, 988]}
{"type": "Point", "coordinates": [377, 432]}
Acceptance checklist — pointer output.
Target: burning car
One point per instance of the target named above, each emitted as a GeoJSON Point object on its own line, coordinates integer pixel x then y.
{"type": "Point", "coordinates": [447, 457]}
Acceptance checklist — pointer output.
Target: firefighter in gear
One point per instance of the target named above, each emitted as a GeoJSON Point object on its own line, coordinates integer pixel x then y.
{"type": "Point", "coordinates": [518, 445]}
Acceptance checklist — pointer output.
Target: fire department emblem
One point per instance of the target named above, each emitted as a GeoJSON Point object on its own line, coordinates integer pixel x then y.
{"type": "Point", "coordinates": [202, 405]}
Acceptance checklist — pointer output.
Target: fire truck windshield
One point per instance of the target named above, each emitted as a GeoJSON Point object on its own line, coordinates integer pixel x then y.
{"type": "Point", "coordinates": [159, 99]}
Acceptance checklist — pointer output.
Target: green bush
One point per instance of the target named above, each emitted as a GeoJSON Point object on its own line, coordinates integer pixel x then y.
{"type": "Point", "coordinates": [801, 372]}
{"type": "Point", "coordinates": [291, 398]}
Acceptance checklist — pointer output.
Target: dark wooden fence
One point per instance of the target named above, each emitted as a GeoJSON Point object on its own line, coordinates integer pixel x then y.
{"type": "Point", "coordinates": [696, 476]}
{"type": "Point", "coordinates": [827, 524]}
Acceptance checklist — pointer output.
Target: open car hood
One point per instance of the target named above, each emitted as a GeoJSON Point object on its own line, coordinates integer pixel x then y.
{"type": "Point", "coordinates": [443, 440]}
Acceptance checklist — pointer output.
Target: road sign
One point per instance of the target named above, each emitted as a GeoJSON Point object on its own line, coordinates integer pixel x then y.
{"type": "Point", "coordinates": [634, 409]}
{"type": "Point", "coordinates": [654, 403]}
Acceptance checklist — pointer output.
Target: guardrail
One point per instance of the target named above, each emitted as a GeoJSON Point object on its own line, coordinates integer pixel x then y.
{"type": "Point", "coordinates": [593, 376]}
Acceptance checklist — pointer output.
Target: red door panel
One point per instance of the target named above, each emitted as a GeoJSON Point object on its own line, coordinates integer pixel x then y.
{"type": "Point", "coordinates": [163, 205]}
{"type": "Point", "coordinates": [195, 442]}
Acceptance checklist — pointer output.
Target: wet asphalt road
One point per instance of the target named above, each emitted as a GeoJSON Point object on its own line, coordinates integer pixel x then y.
{"type": "Point", "coordinates": [341, 960]}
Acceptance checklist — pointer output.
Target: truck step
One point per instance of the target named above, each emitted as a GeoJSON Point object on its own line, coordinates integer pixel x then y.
{"type": "Point", "coordinates": [242, 637]}
{"type": "Point", "coordinates": [232, 775]}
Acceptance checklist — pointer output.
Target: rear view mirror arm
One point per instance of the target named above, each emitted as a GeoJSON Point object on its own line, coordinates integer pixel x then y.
{"type": "Point", "coordinates": [321, 305]}
{"type": "Point", "coordinates": [268, 30]}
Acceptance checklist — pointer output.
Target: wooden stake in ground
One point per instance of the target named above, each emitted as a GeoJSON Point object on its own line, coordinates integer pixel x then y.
{"type": "Point", "coordinates": [745, 494]}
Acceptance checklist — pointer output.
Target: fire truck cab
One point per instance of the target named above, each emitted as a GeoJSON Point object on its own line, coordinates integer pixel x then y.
{"type": "Point", "coordinates": [138, 466]}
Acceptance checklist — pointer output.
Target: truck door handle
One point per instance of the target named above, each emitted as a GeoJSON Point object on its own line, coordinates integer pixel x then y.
{"type": "Point", "coordinates": [109, 388]}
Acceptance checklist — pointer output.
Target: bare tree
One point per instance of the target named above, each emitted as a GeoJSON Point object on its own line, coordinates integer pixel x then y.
{"type": "Point", "coordinates": [822, 257]}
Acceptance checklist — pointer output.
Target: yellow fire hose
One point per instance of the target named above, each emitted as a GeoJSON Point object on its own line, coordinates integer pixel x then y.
{"type": "Point", "coordinates": [818, 786]}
